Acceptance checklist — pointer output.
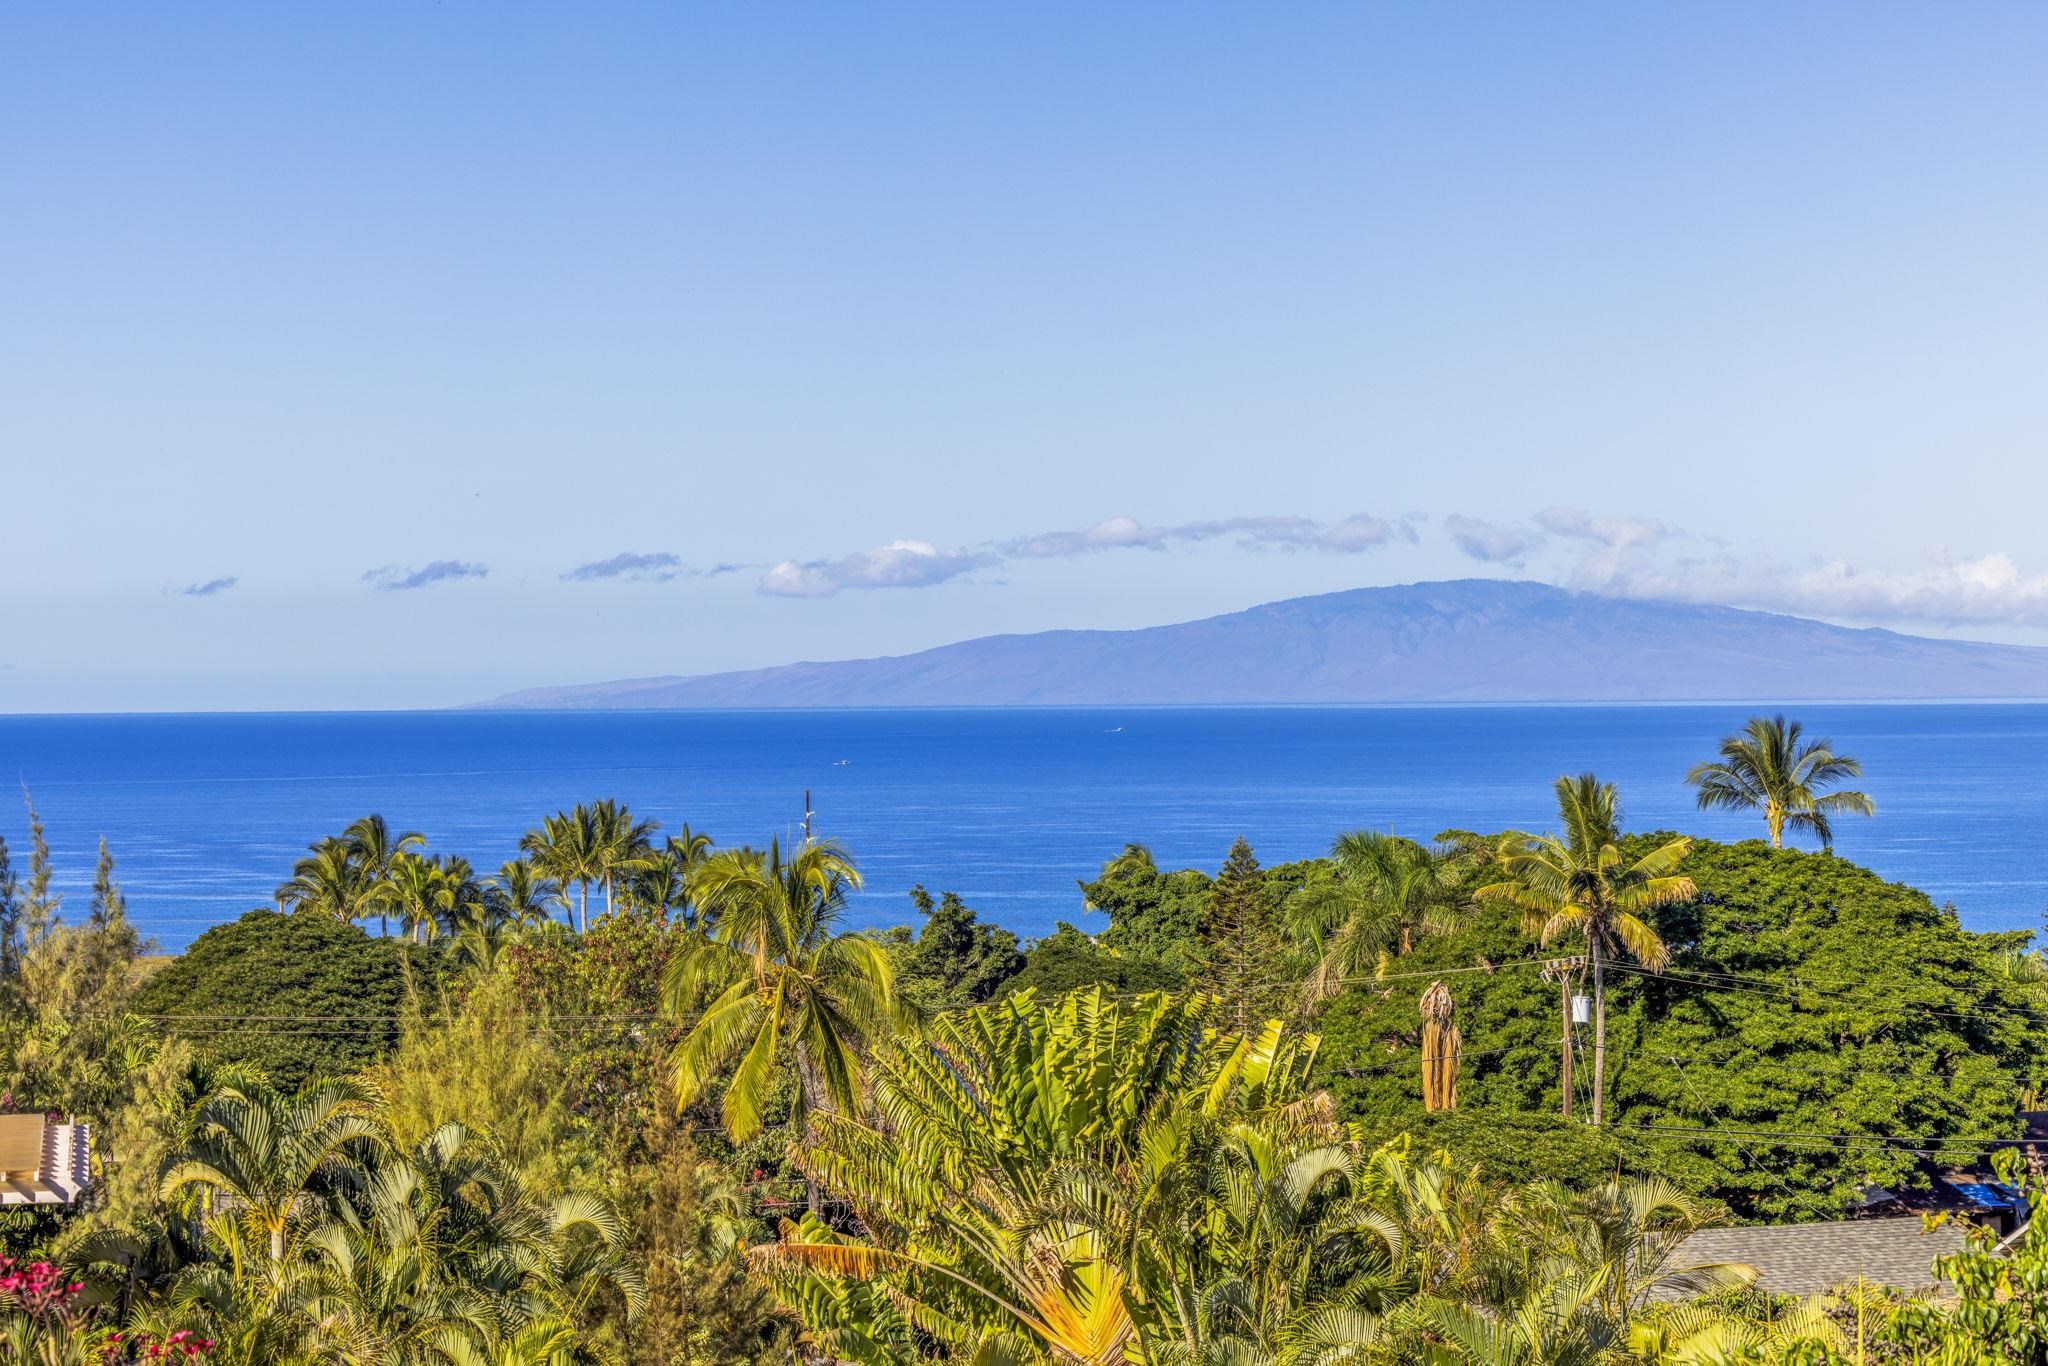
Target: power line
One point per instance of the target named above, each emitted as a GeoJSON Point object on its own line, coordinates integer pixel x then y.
{"type": "Point", "coordinates": [1726, 981]}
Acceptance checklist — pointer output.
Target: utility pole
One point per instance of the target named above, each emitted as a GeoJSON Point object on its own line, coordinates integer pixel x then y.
{"type": "Point", "coordinates": [1564, 970]}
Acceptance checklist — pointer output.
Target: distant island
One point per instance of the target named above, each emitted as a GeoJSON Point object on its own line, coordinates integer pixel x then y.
{"type": "Point", "coordinates": [1469, 640]}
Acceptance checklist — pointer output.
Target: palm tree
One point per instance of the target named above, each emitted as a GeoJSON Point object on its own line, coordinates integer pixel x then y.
{"type": "Point", "coordinates": [348, 875]}
{"type": "Point", "coordinates": [623, 845]}
{"type": "Point", "coordinates": [1388, 890]}
{"type": "Point", "coordinates": [328, 881]}
{"type": "Point", "coordinates": [264, 1153]}
{"type": "Point", "coordinates": [372, 847]}
{"type": "Point", "coordinates": [779, 977]}
{"type": "Point", "coordinates": [1578, 884]}
{"type": "Point", "coordinates": [1767, 769]}
{"type": "Point", "coordinates": [1297, 1263]}
{"type": "Point", "coordinates": [1623, 1238]}
{"type": "Point", "coordinates": [523, 896]}
{"type": "Point", "coordinates": [446, 1256]}
{"type": "Point", "coordinates": [664, 883]}
{"type": "Point", "coordinates": [415, 890]}
{"type": "Point", "coordinates": [565, 848]}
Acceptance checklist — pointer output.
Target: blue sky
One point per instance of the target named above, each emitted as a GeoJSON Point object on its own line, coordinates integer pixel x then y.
{"type": "Point", "coordinates": [387, 355]}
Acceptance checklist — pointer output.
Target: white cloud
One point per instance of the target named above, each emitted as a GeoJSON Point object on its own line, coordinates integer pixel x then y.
{"type": "Point", "coordinates": [1987, 590]}
{"type": "Point", "coordinates": [1492, 542]}
{"type": "Point", "coordinates": [1118, 533]}
{"type": "Point", "coordinates": [1354, 534]}
{"type": "Point", "coordinates": [900, 564]}
{"type": "Point", "coordinates": [1618, 533]}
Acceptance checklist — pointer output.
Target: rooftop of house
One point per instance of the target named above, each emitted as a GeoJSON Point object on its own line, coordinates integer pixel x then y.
{"type": "Point", "coordinates": [1804, 1259]}
{"type": "Point", "coordinates": [42, 1162]}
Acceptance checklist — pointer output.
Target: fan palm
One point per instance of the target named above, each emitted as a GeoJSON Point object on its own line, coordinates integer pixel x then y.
{"type": "Point", "coordinates": [565, 848]}
{"type": "Point", "coordinates": [1579, 884]}
{"type": "Point", "coordinates": [264, 1152]}
{"type": "Point", "coordinates": [1387, 891]}
{"type": "Point", "coordinates": [1767, 768]}
{"type": "Point", "coordinates": [778, 976]}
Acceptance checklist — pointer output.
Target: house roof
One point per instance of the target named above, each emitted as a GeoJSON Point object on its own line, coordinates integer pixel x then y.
{"type": "Point", "coordinates": [1804, 1259]}
{"type": "Point", "coordinates": [43, 1163]}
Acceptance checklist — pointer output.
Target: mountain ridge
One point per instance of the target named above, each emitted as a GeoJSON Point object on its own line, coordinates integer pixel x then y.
{"type": "Point", "coordinates": [1465, 640]}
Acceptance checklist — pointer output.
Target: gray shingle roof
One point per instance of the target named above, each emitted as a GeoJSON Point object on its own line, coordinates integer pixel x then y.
{"type": "Point", "coordinates": [1803, 1259]}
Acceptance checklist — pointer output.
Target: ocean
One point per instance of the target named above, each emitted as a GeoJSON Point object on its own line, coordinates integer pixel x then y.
{"type": "Point", "coordinates": [1009, 808]}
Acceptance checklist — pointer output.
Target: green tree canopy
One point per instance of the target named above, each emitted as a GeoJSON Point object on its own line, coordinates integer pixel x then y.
{"type": "Point", "coordinates": [296, 994]}
{"type": "Point", "coordinates": [1804, 995]}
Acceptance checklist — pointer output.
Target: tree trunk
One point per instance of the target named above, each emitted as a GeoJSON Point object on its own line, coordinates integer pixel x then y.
{"type": "Point", "coordinates": [277, 1245]}
{"type": "Point", "coordinates": [383, 925]}
{"type": "Point", "coordinates": [1599, 1032]}
{"type": "Point", "coordinates": [582, 906]}
{"type": "Point", "coordinates": [1774, 816]}
{"type": "Point", "coordinates": [807, 1088]}
{"type": "Point", "coordinates": [607, 893]}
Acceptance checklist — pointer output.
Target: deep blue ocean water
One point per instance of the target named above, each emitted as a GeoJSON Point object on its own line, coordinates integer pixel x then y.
{"type": "Point", "coordinates": [205, 813]}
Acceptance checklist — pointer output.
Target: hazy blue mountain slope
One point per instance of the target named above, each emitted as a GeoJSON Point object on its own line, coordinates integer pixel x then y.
{"type": "Point", "coordinates": [1474, 640]}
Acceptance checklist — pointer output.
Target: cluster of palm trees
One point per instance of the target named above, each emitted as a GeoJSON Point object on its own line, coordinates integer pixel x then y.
{"type": "Point", "coordinates": [371, 871]}
{"type": "Point", "coordinates": [300, 1232]}
{"type": "Point", "coordinates": [596, 843]}
{"type": "Point", "coordinates": [368, 870]}
{"type": "Point", "coordinates": [1094, 1181]}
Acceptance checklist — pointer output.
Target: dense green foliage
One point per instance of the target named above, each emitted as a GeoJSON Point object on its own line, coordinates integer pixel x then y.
{"type": "Point", "coordinates": [297, 995]}
{"type": "Point", "coordinates": [1805, 996]}
{"type": "Point", "coordinates": [955, 958]}
{"type": "Point", "coordinates": [715, 1117]}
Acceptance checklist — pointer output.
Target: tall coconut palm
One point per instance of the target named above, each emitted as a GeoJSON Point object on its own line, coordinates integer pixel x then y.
{"type": "Point", "coordinates": [1578, 884]}
{"type": "Point", "coordinates": [373, 847]}
{"type": "Point", "coordinates": [327, 881]}
{"type": "Point", "coordinates": [565, 848]}
{"type": "Point", "coordinates": [1767, 768]}
{"type": "Point", "coordinates": [523, 896]}
{"type": "Point", "coordinates": [624, 847]}
{"type": "Point", "coordinates": [664, 884]}
{"type": "Point", "coordinates": [416, 891]}
{"type": "Point", "coordinates": [778, 976]}
{"type": "Point", "coordinates": [263, 1153]}
{"type": "Point", "coordinates": [1388, 891]}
